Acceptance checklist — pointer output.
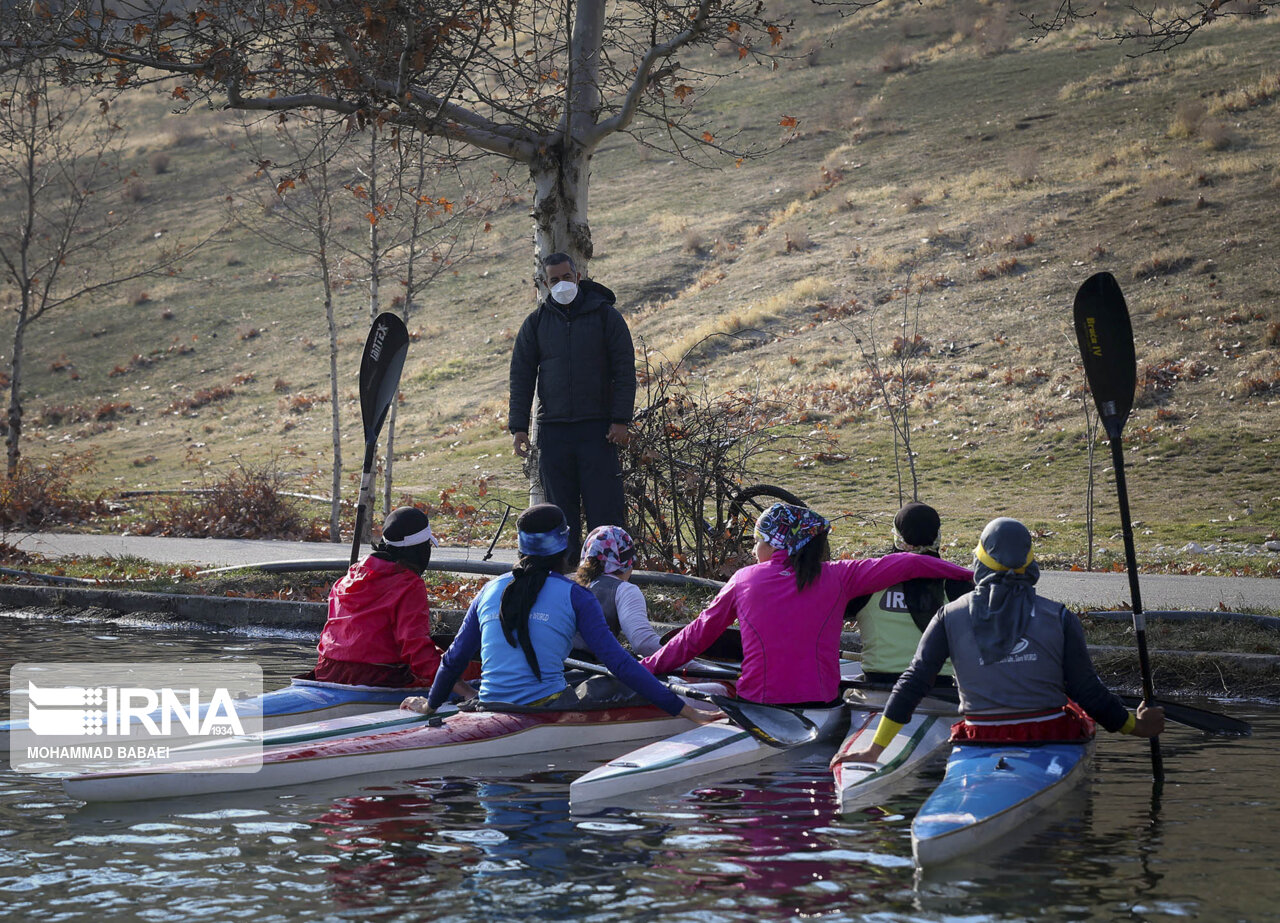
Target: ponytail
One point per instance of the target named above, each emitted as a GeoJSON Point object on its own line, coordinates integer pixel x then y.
{"type": "Point", "coordinates": [808, 561]}
{"type": "Point", "coordinates": [589, 570]}
{"type": "Point", "coordinates": [528, 577]}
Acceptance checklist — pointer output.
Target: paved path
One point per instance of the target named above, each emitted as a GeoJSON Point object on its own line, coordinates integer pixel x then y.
{"type": "Point", "coordinates": [1077, 589]}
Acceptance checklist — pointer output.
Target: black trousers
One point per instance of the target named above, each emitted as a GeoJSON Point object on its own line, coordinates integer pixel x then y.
{"type": "Point", "coordinates": [581, 474]}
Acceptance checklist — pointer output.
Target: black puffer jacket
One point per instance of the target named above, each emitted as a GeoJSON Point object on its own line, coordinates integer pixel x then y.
{"type": "Point", "coordinates": [581, 357]}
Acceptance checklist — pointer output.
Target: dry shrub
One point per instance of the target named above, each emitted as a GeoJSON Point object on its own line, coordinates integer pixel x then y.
{"type": "Point", "coordinates": [183, 137]}
{"type": "Point", "coordinates": [1024, 166]}
{"type": "Point", "coordinates": [893, 59]}
{"type": "Point", "coordinates": [247, 502]}
{"type": "Point", "coordinates": [1215, 135]}
{"type": "Point", "coordinates": [795, 239]}
{"type": "Point", "coordinates": [1158, 379]}
{"type": "Point", "coordinates": [1187, 118]}
{"type": "Point", "coordinates": [301, 403]}
{"type": "Point", "coordinates": [1164, 263]}
{"type": "Point", "coordinates": [134, 191]}
{"type": "Point", "coordinates": [1163, 192]}
{"type": "Point", "coordinates": [1003, 268]}
{"type": "Point", "coordinates": [201, 398]}
{"type": "Point", "coordinates": [247, 332]}
{"type": "Point", "coordinates": [46, 493]}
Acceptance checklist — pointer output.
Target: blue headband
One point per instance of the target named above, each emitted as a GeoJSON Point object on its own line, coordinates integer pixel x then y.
{"type": "Point", "coordinates": [543, 543]}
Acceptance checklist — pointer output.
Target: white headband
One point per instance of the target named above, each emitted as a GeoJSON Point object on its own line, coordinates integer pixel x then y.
{"type": "Point", "coordinates": [417, 538]}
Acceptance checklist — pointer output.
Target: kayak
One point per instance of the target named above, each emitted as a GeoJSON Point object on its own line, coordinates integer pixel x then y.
{"type": "Point", "coordinates": [302, 701]}
{"type": "Point", "coordinates": [921, 743]}
{"type": "Point", "coordinates": [430, 742]}
{"type": "Point", "coordinates": [699, 751]}
{"type": "Point", "coordinates": [989, 792]}
{"type": "Point", "coordinates": [374, 722]}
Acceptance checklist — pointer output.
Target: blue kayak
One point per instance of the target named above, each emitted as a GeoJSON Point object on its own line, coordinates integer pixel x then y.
{"type": "Point", "coordinates": [304, 700]}
{"type": "Point", "coordinates": [989, 792]}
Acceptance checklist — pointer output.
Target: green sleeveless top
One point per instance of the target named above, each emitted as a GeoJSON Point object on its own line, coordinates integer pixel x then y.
{"type": "Point", "coordinates": [889, 633]}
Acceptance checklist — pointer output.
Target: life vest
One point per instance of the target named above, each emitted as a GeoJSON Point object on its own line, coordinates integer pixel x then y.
{"type": "Point", "coordinates": [890, 632]}
{"type": "Point", "coordinates": [605, 589]}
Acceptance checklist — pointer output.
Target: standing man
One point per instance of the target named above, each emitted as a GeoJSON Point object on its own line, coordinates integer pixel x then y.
{"type": "Point", "coordinates": [577, 349]}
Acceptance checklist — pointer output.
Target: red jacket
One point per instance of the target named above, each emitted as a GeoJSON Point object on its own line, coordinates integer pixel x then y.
{"type": "Point", "coordinates": [379, 614]}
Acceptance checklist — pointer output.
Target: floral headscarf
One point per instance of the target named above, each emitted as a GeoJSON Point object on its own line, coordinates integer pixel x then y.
{"type": "Point", "coordinates": [611, 546]}
{"type": "Point", "coordinates": [788, 527]}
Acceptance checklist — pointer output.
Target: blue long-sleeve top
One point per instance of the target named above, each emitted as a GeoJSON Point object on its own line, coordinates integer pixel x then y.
{"type": "Point", "coordinates": [563, 609]}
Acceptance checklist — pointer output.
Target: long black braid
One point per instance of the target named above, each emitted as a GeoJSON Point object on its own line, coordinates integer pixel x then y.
{"type": "Point", "coordinates": [530, 573]}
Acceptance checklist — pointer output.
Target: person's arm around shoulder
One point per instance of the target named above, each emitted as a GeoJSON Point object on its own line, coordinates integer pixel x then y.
{"type": "Point", "coordinates": [870, 575]}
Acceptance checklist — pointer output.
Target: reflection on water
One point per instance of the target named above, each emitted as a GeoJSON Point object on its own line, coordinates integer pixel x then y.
{"type": "Point", "coordinates": [496, 841]}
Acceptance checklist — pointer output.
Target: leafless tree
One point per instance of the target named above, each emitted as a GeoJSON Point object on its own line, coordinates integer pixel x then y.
{"type": "Point", "coordinates": [293, 209]}
{"type": "Point", "coordinates": [63, 194]}
{"type": "Point", "coordinates": [541, 84]}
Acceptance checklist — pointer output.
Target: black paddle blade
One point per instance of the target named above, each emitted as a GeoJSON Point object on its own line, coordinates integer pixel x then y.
{"type": "Point", "coordinates": [1211, 722]}
{"type": "Point", "coordinates": [774, 725]}
{"type": "Point", "coordinates": [380, 366]}
{"type": "Point", "coordinates": [1106, 346]}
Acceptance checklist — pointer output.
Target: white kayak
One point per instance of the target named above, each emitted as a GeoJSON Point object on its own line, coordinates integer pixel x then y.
{"type": "Point", "coordinates": [463, 737]}
{"type": "Point", "coordinates": [303, 700]}
{"type": "Point", "coordinates": [989, 792]}
{"type": "Point", "coordinates": [922, 742]}
{"type": "Point", "coordinates": [700, 751]}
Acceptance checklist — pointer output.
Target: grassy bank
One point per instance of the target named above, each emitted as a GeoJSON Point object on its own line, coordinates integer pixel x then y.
{"type": "Point", "coordinates": [950, 179]}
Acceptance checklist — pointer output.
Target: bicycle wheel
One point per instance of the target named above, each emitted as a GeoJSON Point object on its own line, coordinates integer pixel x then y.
{"type": "Point", "coordinates": [747, 505]}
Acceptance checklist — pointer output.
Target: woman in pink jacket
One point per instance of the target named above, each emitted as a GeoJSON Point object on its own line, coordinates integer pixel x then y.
{"type": "Point", "coordinates": [790, 609]}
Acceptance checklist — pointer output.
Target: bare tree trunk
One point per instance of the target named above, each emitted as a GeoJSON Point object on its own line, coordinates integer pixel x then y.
{"type": "Point", "coordinates": [335, 490]}
{"type": "Point", "coordinates": [374, 270]}
{"type": "Point", "coordinates": [13, 438]}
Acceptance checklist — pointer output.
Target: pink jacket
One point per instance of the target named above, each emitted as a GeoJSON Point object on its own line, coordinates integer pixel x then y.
{"type": "Point", "coordinates": [379, 614]}
{"type": "Point", "coordinates": [791, 639]}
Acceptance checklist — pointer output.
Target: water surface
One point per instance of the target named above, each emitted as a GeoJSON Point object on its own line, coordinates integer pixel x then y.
{"type": "Point", "coordinates": [496, 841]}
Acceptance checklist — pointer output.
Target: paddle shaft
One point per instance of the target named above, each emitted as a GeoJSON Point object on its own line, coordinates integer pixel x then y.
{"type": "Point", "coordinates": [366, 490]}
{"type": "Point", "coordinates": [1139, 620]}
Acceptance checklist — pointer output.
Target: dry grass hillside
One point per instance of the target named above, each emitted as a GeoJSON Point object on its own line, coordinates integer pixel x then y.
{"type": "Point", "coordinates": [946, 170]}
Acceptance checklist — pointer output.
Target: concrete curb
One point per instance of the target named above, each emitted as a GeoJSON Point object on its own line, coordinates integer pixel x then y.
{"type": "Point", "coordinates": [247, 613]}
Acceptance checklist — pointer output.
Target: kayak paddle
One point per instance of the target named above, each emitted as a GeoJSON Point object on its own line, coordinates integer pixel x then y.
{"type": "Point", "coordinates": [775, 725]}
{"type": "Point", "coordinates": [380, 367]}
{"type": "Point", "coordinates": [1105, 336]}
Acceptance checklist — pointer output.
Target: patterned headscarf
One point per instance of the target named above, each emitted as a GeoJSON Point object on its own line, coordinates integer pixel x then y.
{"type": "Point", "coordinates": [611, 546]}
{"type": "Point", "coordinates": [788, 527]}
{"type": "Point", "coordinates": [1005, 572]}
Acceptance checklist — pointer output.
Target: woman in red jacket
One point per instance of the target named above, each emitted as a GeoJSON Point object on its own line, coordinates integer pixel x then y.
{"type": "Point", "coordinates": [379, 628]}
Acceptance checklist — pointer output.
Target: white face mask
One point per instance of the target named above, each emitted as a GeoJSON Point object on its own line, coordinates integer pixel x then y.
{"type": "Point", "coordinates": [564, 292]}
